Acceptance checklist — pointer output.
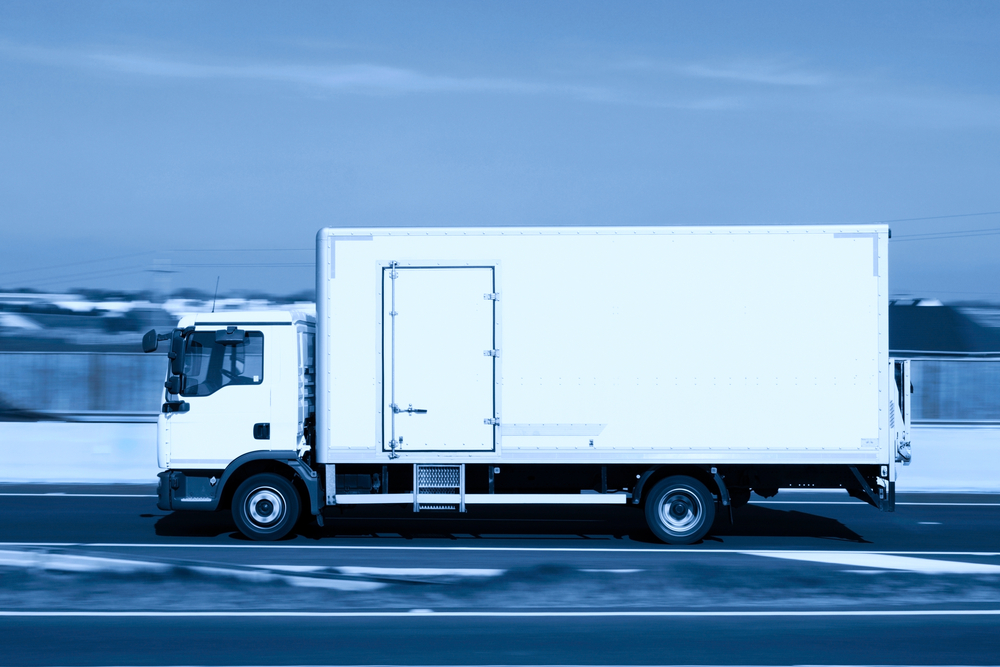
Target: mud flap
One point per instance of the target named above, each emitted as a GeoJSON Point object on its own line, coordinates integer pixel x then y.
{"type": "Point", "coordinates": [884, 499]}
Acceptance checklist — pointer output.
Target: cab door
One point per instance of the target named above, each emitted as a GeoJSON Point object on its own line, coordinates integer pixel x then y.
{"type": "Point", "coordinates": [226, 384]}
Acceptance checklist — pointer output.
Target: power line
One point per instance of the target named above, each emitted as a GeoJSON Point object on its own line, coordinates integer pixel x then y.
{"type": "Point", "coordinates": [957, 234]}
{"type": "Point", "coordinates": [104, 273]}
{"type": "Point", "coordinates": [86, 261]}
{"type": "Point", "coordinates": [943, 217]}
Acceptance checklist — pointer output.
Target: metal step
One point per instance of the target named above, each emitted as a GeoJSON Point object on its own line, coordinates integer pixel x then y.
{"type": "Point", "coordinates": [432, 480]}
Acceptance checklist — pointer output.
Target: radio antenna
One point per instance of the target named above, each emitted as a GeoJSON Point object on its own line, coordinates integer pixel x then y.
{"type": "Point", "coordinates": [216, 292]}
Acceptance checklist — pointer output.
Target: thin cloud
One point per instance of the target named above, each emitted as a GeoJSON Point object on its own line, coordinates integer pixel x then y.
{"type": "Point", "coordinates": [351, 77]}
{"type": "Point", "coordinates": [355, 78]}
{"type": "Point", "coordinates": [756, 72]}
{"type": "Point", "coordinates": [743, 71]}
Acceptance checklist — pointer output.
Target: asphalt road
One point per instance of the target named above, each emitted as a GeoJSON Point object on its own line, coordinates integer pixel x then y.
{"type": "Point", "coordinates": [98, 575]}
{"type": "Point", "coordinates": [492, 641]}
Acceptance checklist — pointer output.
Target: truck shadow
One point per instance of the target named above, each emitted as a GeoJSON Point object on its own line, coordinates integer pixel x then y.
{"type": "Point", "coordinates": [563, 524]}
{"type": "Point", "coordinates": [757, 521]}
{"type": "Point", "coordinates": [195, 524]}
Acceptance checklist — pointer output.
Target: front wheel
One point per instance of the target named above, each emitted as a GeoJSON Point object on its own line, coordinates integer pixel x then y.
{"type": "Point", "coordinates": [266, 507]}
{"type": "Point", "coordinates": [680, 510]}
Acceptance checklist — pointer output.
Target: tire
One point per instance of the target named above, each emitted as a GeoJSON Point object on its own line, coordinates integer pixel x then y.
{"type": "Point", "coordinates": [266, 507]}
{"type": "Point", "coordinates": [680, 510]}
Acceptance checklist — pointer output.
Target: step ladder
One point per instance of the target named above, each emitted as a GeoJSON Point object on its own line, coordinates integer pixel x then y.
{"type": "Point", "coordinates": [437, 480]}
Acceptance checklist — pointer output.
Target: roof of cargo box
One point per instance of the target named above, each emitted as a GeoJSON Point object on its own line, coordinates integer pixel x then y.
{"type": "Point", "coordinates": [359, 232]}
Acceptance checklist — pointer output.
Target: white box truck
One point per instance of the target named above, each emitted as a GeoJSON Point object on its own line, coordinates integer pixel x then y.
{"type": "Point", "coordinates": [671, 368]}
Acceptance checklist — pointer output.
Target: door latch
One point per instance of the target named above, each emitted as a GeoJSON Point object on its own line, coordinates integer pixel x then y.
{"type": "Point", "coordinates": [491, 353]}
{"type": "Point", "coordinates": [490, 421]}
{"type": "Point", "coordinates": [410, 410]}
{"type": "Point", "coordinates": [492, 296]}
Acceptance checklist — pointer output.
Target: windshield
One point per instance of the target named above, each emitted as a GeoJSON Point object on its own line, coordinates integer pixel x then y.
{"type": "Point", "coordinates": [210, 366]}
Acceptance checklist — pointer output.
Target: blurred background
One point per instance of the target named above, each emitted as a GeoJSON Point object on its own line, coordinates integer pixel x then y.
{"type": "Point", "coordinates": [76, 384]}
{"type": "Point", "coordinates": [154, 154]}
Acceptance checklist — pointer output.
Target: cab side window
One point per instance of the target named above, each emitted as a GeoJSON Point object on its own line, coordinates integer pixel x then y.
{"type": "Point", "coordinates": [209, 366]}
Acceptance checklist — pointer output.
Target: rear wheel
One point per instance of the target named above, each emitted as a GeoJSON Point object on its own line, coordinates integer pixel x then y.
{"type": "Point", "coordinates": [680, 510]}
{"type": "Point", "coordinates": [266, 507]}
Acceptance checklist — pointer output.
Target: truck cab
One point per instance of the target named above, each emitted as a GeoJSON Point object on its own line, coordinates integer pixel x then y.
{"type": "Point", "coordinates": [239, 391]}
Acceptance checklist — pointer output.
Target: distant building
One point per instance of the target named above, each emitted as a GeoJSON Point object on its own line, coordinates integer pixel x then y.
{"type": "Point", "coordinates": [930, 329]}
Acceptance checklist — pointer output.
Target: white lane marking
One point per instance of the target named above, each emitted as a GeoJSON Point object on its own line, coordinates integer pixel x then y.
{"type": "Point", "coordinates": [80, 495]}
{"type": "Point", "coordinates": [807, 502]}
{"type": "Point", "coordinates": [929, 523]}
{"type": "Point", "coordinates": [416, 613]}
{"type": "Point", "coordinates": [952, 504]}
{"type": "Point", "coordinates": [869, 571]}
{"type": "Point", "coordinates": [352, 547]}
{"type": "Point", "coordinates": [417, 572]}
{"type": "Point", "coordinates": [885, 562]}
{"type": "Point", "coordinates": [858, 502]}
{"type": "Point", "coordinates": [291, 568]}
{"type": "Point", "coordinates": [71, 563]}
{"type": "Point", "coordinates": [299, 581]}
{"type": "Point", "coordinates": [362, 571]}
{"type": "Point", "coordinates": [621, 571]}
{"type": "Point", "coordinates": [66, 563]}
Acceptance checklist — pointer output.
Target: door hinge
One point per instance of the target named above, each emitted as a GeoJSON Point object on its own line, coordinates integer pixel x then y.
{"type": "Point", "coordinates": [491, 353]}
{"type": "Point", "coordinates": [489, 421]}
{"type": "Point", "coordinates": [492, 296]}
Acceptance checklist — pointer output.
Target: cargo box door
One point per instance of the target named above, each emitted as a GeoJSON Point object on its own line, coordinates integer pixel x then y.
{"type": "Point", "coordinates": [438, 359]}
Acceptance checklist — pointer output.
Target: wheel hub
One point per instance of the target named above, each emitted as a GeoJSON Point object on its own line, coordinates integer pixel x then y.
{"type": "Point", "coordinates": [265, 506]}
{"type": "Point", "coordinates": [681, 511]}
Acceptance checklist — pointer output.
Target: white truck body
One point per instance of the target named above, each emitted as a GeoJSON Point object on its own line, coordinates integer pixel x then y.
{"type": "Point", "coordinates": [651, 344]}
{"type": "Point", "coordinates": [750, 357]}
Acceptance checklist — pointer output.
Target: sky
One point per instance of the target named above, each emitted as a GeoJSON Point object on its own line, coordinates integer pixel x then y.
{"type": "Point", "coordinates": [163, 145]}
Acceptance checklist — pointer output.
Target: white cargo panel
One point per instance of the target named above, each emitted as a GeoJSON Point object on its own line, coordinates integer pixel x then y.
{"type": "Point", "coordinates": [654, 344]}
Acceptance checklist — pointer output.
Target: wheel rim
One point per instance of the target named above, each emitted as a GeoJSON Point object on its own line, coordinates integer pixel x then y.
{"type": "Point", "coordinates": [681, 511]}
{"type": "Point", "coordinates": [265, 507]}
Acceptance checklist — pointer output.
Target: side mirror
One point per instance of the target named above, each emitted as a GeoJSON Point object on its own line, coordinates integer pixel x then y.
{"type": "Point", "coordinates": [176, 354]}
{"type": "Point", "coordinates": [230, 336]}
{"type": "Point", "coordinates": [173, 385]}
{"type": "Point", "coordinates": [150, 341]}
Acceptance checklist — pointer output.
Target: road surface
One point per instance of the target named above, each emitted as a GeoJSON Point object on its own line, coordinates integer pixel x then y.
{"type": "Point", "coordinates": [99, 575]}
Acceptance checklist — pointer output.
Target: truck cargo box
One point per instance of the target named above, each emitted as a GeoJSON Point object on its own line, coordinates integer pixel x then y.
{"type": "Point", "coordinates": [721, 345]}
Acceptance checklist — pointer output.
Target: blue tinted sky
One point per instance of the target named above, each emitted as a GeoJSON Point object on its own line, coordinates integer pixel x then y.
{"type": "Point", "coordinates": [129, 129]}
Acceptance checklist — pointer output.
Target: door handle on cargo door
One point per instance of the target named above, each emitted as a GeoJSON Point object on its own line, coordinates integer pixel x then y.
{"type": "Point", "coordinates": [410, 410]}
